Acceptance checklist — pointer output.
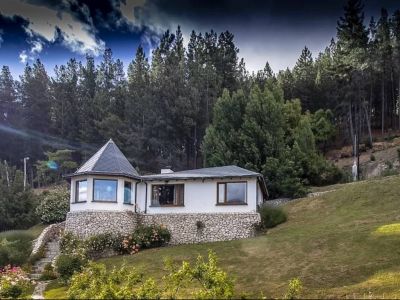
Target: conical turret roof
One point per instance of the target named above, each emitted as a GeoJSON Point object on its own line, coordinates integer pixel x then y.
{"type": "Point", "coordinates": [109, 160]}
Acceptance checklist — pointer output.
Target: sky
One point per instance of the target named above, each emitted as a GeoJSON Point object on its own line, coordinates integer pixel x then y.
{"type": "Point", "coordinates": [271, 30]}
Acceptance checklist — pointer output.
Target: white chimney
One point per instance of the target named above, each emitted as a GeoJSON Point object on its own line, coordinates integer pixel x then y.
{"type": "Point", "coordinates": [166, 171]}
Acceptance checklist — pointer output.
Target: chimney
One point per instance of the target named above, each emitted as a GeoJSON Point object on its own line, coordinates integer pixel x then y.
{"type": "Point", "coordinates": [166, 170]}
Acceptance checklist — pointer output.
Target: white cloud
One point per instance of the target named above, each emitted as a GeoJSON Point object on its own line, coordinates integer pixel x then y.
{"type": "Point", "coordinates": [37, 47]}
{"type": "Point", "coordinates": [143, 14]}
{"type": "Point", "coordinates": [23, 57]}
{"type": "Point", "coordinates": [48, 23]}
{"type": "Point", "coordinates": [1, 38]}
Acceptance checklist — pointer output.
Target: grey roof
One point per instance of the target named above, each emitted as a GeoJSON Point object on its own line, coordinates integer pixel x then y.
{"type": "Point", "coordinates": [215, 172]}
{"type": "Point", "coordinates": [109, 160]}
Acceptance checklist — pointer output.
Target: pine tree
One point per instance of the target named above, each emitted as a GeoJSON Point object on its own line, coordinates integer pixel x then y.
{"type": "Point", "coordinates": [305, 78]}
{"type": "Point", "coordinates": [65, 105]}
{"type": "Point", "coordinates": [36, 106]}
{"type": "Point", "coordinates": [384, 48]}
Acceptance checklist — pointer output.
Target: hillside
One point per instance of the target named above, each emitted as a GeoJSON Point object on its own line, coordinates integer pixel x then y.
{"type": "Point", "coordinates": [344, 243]}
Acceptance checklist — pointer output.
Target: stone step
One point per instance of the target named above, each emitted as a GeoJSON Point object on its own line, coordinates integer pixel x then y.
{"type": "Point", "coordinates": [35, 275]}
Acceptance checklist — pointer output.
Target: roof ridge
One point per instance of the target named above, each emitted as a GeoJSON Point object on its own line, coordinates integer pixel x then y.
{"type": "Point", "coordinates": [102, 151]}
{"type": "Point", "coordinates": [117, 160]}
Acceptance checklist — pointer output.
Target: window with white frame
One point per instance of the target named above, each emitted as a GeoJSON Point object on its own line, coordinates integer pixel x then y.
{"type": "Point", "coordinates": [81, 191]}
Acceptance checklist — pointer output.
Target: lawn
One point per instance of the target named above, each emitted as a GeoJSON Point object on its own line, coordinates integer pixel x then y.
{"type": "Point", "coordinates": [341, 244]}
{"type": "Point", "coordinates": [34, 232]}
{"type": "Point", "coordinates": [16, 245]}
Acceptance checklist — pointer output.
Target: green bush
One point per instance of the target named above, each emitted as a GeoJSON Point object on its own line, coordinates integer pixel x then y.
{"type": "Point", "coordinates": [205, 279]}
{"type": "Point", "coordinates": [145, 237]}
{"type": "Point", "coordinates": [294, 289]}
{"type": "Point", "coordinates": [48, 273]}
{"type": "Point", "coordinates": [271, 216]}
{"type": "Point", "coordinates": [121, 283]}
{"type": "Point", "coordinates": [67, 265]}
{"type": "Point", "coordinates": [53, 206]}
{"type": "Point", "coordinates": [15, 249]}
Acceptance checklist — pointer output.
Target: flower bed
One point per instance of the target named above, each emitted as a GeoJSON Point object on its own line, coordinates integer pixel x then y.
{"type": "Point", "coordinates": [14, 282]}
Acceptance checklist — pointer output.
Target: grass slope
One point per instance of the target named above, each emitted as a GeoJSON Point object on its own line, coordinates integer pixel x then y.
{"type": "Point", "coordinates": [344, 243]}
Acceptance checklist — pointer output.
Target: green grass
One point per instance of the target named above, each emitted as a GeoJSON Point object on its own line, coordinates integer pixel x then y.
{"type": "Point", "coordinates": [18, 247]}
{"type": "Point", "coordinates": [341, 244]}
{"type": "Point", "coordinates": [34, 232]}
{"type": "Point", "coordinates": [55, 290]}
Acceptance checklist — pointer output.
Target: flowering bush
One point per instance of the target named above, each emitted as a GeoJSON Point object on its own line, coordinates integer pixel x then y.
{"type": "Point", "coordinates": [145, 237]}
{"type": "Point", "coordinates": [13, 282]}
{"type": "Point", "coordinates": [53, 206]}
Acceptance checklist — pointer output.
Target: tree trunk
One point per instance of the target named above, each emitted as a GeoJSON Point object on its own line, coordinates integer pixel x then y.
{"type": "Point", "coordinates": [352, 128]}
{"type": "Point", "coordinates": [368, 121]}
{"type": "Point", "coordinates": [383, 105]}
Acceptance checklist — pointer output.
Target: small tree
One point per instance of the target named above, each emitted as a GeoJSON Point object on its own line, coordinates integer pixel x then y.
{"type": "Point", "coordinates": [57, 164]}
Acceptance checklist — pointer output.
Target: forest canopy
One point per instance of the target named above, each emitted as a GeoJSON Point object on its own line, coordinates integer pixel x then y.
{"type": "Point", "coordinates": [198, 105]}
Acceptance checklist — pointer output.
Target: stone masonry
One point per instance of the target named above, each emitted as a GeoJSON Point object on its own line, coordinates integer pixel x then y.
{"type": "Point", "coordinates": [184, 228]}
{"type": "Point", "coordinates": [88, 223]}
{"type": "Point", "coordinates": [201, 228]}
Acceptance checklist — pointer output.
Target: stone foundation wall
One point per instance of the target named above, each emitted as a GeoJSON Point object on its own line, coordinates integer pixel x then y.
{"type": "Point", "coordinates": [88, 223]}
{"type": "Point", "coordinates": [184, 228]}
{"type": "Point", "coordinates": [201, 228]}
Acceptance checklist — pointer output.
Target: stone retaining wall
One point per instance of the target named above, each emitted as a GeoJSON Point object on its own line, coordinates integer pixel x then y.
{"type": "Point", "coordinates": [184, 228]}
{"type": "Point", "coordinates": [201, 228]}
{"type": "Point", "coordinates": [88, 223]}
{"type": "Point", "coordinates": [49, 233]}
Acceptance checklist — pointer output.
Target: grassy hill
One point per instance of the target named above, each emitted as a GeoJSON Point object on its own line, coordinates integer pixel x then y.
{"type": "Point", "coordinates": [344, 243]}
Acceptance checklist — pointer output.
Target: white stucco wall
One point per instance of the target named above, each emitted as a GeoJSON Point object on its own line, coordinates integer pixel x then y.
{"type": "Point", "coordinates": [199, 197]}
{"type": "Point", "coordinates": [90, 205]}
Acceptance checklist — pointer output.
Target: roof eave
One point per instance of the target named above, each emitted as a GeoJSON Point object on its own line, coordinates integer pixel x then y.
{"type": "Point", "coordinates": [68, 176]}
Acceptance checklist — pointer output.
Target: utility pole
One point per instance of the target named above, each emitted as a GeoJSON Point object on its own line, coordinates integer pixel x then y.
{"type": "Point", "coordinates": [25, 160]}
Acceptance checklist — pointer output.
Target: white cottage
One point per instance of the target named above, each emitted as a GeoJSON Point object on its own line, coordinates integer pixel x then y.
{"type": "Point", "coordinates": [209, 204]}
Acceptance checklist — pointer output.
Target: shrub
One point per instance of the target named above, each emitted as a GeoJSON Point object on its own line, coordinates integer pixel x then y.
{"type": "Point", "coordinates": [95, 282]}
{"type": "Point", "coordinates": [294, 289]}
{"type": "Point", "coordinates": [48, 273]}
{"type": "Point", "coordinates": [142, 237]}
{"type": "Point", "coordinates": [213, 281]}
{"type": "Point", "coordinates": [53, 206]}
{"type": "Point", "coordinates": [14, 282]}
{"type": "Point", "coordinates": [145, 237]}
{"type": "Point", "coordinates": [67, 265]}
{"type": "Point", "coordinates": [271, 216]}
{"type": "Point", "coordinates": [372, 157]}
{"type": "Point", "coordinates": [70, 244]}
{"type": "Point", "coordinates": [398, 154]}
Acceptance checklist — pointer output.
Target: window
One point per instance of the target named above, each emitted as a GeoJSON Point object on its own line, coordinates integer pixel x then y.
{"type": "Point", "coordinates": [81, 191]}
{"type": "Point", "coordinates": [167, 195]}
{"type": "Point", "coordinates": [127, 192]}
{"type": "Point", "coordinates": [232, 193]}
{"type": "Point", "coordinates": [105, 190]}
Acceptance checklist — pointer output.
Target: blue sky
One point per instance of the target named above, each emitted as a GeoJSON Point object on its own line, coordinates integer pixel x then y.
{"type": "Point", "coordinates": [273, 31]}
